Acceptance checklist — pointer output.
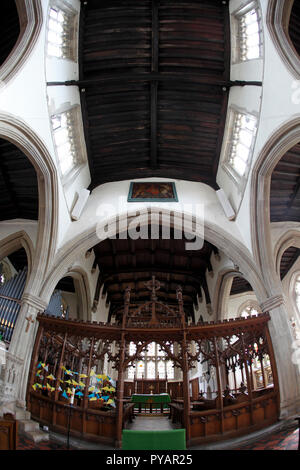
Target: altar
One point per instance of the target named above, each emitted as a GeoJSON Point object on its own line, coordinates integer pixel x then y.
{"type": "Point", "coordinates": [151, 402]}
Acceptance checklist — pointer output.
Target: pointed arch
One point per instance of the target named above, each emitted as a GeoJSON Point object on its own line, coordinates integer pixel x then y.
{"type": "Point", "coordinates": [278, 19]}
{"type": "Point", "coordinates": [280, 142]}
{"type": "Point", "coordinates": [19, 134]}
{"type": "Point", "coordinates": [232, 247]}
{"type": "Point", "coordinates": [31, 21]}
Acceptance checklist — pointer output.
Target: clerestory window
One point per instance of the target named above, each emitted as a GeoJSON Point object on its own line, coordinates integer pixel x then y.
{"type": "Point", "coordinates": [248, 33]}
{"type": "Point", "coordinates": [70, 149]}
{"type": "Point", "coordinates": [61, 34]}
{"type": "Point", "coordinates": [241, 144]}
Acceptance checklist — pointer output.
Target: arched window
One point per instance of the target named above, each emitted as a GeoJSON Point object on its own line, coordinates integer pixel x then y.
{"type": "Point", "coordinates": [154, 364]}
{"type": "Point", "coordinates": [247, 27]}
{"type": "Point", "coordinates": [297, 292]}
{"type": "Point", "coordinates": [62, 33]}
{"type": "Point", "coordinates": [295, 323]}
{"type": "Point", "coordinates": [249, 309]}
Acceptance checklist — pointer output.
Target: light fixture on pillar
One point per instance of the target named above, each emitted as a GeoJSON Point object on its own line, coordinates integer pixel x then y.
{"type": "Point", "coordinates": [227, 208]}
{"type": "Point", "coordinates": [83, 196]}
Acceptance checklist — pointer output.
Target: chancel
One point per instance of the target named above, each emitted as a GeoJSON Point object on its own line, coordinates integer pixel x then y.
{"type": "Point", "coordinates": [149, 224]}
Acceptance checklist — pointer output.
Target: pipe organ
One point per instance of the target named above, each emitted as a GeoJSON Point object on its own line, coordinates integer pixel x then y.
{"type": "Point", "coordinates": [56, 306]}
{"type": "Point", "coordinates": [10, 302]}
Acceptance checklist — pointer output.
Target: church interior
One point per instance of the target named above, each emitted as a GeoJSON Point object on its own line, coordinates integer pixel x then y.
{"type": "Point", "coordinates": [149, 223]}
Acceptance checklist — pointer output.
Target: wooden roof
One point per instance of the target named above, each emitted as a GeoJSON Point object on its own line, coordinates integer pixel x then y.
{"type": "Point", "coordinates": [9, 27]}
{"type": "Point", "coordinates": [131, 263]}
{"type": "Point", "coordinates": [294, 26]}
{"type": "Point", "coordinates": [285, 188]}
{"type": "Point", "coordinates": [18, 184]}
{"type": "Point", "coordinates": [240, 285]}
{"type": "Point", "coordinates": [152, 73]}
{"type": "Point", "coordinates": [288, 259]}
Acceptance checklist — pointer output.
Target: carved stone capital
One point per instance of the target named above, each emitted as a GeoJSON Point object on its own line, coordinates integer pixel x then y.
{"type": "Point", "coordinates": [34, 302]}
{"type": "Point", "coordinates": [271, 303]}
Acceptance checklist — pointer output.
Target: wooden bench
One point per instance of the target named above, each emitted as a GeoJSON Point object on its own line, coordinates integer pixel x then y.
{"type": "Point", "coordinates": [128, 413]}
{"type": "Point", "coordinates": [176, 413]}
{"type": "Point", "coordinates": [8, 433]}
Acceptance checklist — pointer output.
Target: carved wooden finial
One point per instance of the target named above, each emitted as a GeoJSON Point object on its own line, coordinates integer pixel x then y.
{"type": "Point", "coordinates": [153, 285]}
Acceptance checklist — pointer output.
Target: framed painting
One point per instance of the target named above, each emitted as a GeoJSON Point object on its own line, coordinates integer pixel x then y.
{"type": "Point", "coordinates": [152, 192]}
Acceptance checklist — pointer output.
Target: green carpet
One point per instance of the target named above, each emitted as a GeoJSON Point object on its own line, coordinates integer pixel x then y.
{"type": "Point", "coordinates": [154, 440]}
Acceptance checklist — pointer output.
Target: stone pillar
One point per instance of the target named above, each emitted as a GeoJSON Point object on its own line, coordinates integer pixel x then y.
{"type": "Point", "coordinates": [22, 343]}
{"type": "Point", "coordinates": [282, 341]}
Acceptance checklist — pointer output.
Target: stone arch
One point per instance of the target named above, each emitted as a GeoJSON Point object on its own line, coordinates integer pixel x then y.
{"type": "Point", "coordinates": [13, 243]}
{"type": "Point", "coordinates": [81, 284]}
{"type": "Point", "coordinates": [278, 18]}
{"type": "Point", "coordinates": [233, 248]}
{"type": "Point", "coordinates": [291, 238]}
{"type": "Point", "coordinates": [19, 134]}
{"type": "Point", "coordinates": [222, 290]}
{"type": "Point", "coordinates": [31, 21]}
{"type": "Point", "coordinates": [281, 141]}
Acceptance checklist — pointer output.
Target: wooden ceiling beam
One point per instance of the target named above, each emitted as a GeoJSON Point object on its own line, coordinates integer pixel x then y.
{"type": "Point", "coordinates": [209, 80]}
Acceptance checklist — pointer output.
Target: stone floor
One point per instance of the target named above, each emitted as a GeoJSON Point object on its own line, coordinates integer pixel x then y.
{"type": "Point", "coordinates": [153, 423]}
{"type": "Point", "coordinates": [282, 436]}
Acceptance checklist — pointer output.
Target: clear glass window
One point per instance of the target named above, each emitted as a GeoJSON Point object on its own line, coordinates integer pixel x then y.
{"type": "Point", "coordinates": [250, 34]}
{"type": "Point", "coordinates": [65, 142]}
{"type": "Point", "coordinates": [243, 134]}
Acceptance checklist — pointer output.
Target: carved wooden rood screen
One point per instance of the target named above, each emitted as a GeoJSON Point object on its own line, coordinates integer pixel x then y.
{"type": "Point", "coordinates": [67, 387]}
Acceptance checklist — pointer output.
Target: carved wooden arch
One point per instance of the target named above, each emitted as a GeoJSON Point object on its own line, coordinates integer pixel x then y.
{"type": "Point", "coordinates": [31, 20]}
{"type": "Point", "coordinates": [23, 137]}
{"type": "Point", "coordinates": [280, 142]}
{"type": "Point", "coordinates": [278, 18]}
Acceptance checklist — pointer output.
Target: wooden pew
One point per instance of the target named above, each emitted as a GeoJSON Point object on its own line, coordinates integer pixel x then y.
{"type": "Point", "coordinates": [8, 433]}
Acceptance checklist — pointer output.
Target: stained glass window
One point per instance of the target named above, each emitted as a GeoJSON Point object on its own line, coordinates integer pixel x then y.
{"type": "Point", "coordinates": [153, 364]}
{"type": "Point", "coordinates": [140, 371]}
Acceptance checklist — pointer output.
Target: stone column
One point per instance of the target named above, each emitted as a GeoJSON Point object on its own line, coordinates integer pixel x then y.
{"type": "Point", "coordinates": [282, 341]}
{"type": "Point", "coordinates": [22, 343]}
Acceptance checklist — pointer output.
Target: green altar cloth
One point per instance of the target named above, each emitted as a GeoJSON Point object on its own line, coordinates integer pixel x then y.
{"type": "Point", "coordinates": [155, 399]}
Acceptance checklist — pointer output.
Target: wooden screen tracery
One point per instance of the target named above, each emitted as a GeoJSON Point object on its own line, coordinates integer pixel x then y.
{"type": "Point", "coordinates": [226, 347]}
